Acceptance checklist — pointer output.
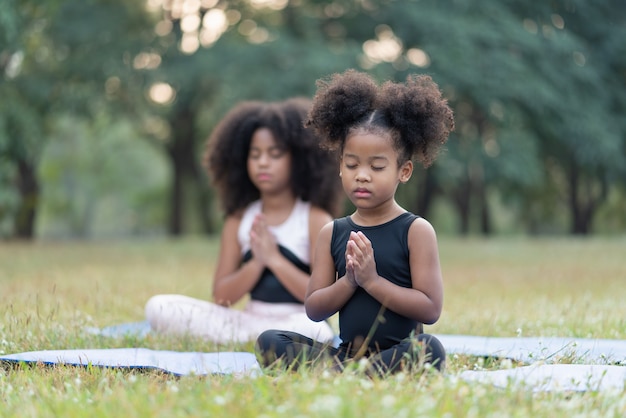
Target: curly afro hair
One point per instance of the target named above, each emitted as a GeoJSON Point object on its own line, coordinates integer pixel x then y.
{"type": "Point", "coordinates": [314, 170]}
{"type": "Point", "coordinates": [414, 115]}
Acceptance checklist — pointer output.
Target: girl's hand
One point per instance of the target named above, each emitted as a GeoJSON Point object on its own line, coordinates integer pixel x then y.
{"type": "Point", "coordinates": [262, 241]}
{"type": "Point", "coordinates": [360, 263]}
{"type": "Point", "coordinates": [350, 274]}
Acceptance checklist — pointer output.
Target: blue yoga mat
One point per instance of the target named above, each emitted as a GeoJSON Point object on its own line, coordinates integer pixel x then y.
{"type": "Point", "coordinates": [139, 330]}
{"type": "Point", "coordinates": [604, 369]}
{"type": "Point", "coordinates": [525, 349]}
{"type": "Point", "coordinates": [174, 362]}
{"type": "Point", "coordinates": [536, 377]}
{"type": "Point", "coordinates": [129, 329]}
{"type": "Point", "coordinates": [534, 349]}
{"type": "Point", "coordinates": [553, 377]}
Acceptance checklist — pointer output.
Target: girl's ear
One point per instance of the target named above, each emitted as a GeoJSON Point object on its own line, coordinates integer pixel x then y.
{"type": "Point", "coordinates": [406, 171]}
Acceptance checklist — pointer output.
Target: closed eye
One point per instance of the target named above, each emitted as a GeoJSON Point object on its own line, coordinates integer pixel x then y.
{"type": "Point", "coordinates": [277, 153]}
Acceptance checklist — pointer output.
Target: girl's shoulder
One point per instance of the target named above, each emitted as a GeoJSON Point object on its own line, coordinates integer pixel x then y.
{"type": "Point", "coordinates": [231, 225]}
{"type": "Point", "coordinates": [236, 215]}
{"type": "Point", "coordinates": [318, 212]}
{"type": "Point", "coordinates": [420, 229]}
{"type": "Point", "coordinates": [421, 224]}
{"type": "Point", "coordinates": [233, 220]}
{"type": "Point", "coordinates": [318, 218]}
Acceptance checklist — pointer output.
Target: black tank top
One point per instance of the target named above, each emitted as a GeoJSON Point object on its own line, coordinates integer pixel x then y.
{"type": "Point", "coordinates": [269, 288]}
{"type": "Point", "coordinates": [363, 314]}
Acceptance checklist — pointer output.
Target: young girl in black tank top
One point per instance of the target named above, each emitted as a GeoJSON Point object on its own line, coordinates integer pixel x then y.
{"type": "Point", "coordinates": [379, 268]}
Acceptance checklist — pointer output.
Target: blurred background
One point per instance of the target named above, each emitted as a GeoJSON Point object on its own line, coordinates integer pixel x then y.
{"type": "Point", "coordinates": [105, 106]}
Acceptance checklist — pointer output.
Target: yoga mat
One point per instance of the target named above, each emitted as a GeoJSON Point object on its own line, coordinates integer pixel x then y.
{"type": "Point", "coordinates": [140, 330]}
{"type": "Point", "coordinates": [536, 377]}
{"type": "Point", "coordinates": [174, 362]}
{"type": "Point", "coordinates": [525, 349]}
{"type": "Point", "coordinates": [533, 349]}
{"type": "Point", "coordinates": [553, 377]}
{"type": "Point", "coordinates": [130, 329]}
{"type": "Point", "coordinates": [602, 370]}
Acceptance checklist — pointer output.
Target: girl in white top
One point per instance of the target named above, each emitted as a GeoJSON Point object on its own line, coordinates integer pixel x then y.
{"type": "Point", "coordinates": [278, 188]}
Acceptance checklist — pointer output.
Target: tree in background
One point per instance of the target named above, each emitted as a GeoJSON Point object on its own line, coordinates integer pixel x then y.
{"type": "Point", "coordinates": [538, 94]}
{"type": "Point", "coordinates": [214, 54]}
{"type": "Point", "coordinates": [21, 121]}
{"type": "Point", "coordinates": [537, 91]}
{"type": "Point", "coordinates": [60, 58]}
{"type": "Point", "coordinates": [581, 121]}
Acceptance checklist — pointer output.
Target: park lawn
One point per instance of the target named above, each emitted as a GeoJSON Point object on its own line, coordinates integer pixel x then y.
{"type": "Point", "coordinates": [504, 287]}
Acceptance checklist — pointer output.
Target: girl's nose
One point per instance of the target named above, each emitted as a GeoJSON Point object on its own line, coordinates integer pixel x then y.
{"type": "Point", "coordinates": [362, 175]}
{"type": "Point", "coordinates": [264, 158]}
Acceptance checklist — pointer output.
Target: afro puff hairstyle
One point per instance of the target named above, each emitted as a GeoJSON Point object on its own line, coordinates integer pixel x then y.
{"type": "Point", "coordinates": [414, 114]}
{"type": "Point", "coordinates": [314, 170]}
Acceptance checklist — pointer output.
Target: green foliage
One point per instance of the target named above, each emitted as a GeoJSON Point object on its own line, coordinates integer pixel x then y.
{"type": "Point", "coordinates": [102, 179]}
{"type": "Point", "coordinates": [57, 62]}
{"type": "Point", "coordinates": [537, 90]}
{"type": "Point", "coordinates": [8, 26]}
{"type": "Point", "coordinates": [19, 136]}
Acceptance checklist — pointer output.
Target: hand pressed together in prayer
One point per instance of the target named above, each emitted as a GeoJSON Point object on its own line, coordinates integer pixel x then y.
{"type": "Point", "coordinates": [360, 263]}
{"type": "Point", "coordinates": [262, 241]}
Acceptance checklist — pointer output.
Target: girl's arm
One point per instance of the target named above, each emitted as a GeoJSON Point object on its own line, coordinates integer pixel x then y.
{"type": "Point", "coordinates": [232, 280]}
{"type": "Point", "coordinates": [424, 301]}
{"type": "Point", "coordinates": [326, 295]}
{"type": "Point", "coordinates": [294, 279]}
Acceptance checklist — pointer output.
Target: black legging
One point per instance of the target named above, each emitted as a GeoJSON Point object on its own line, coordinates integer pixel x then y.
{"type": "Point", "coordinates": [295, 349]}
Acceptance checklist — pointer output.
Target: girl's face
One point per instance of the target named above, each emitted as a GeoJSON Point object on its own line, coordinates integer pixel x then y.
{"type": "Point", "coordinates": [269, 165]}
{"type": "Point", "coordinates": [369, 170]}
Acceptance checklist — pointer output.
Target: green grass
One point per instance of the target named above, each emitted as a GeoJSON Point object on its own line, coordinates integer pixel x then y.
{"type": "Point", "coordinates": [500, 287]}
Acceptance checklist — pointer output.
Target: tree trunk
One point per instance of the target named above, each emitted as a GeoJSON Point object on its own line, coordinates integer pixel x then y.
{"type": "Point", "coordinates": [205, 197]}
{"type": "Point", "coordinates": [174, 225]}
{"type": "Point", "coordinates": [187, 180]}
{"type": "Point", "coordinates": [485, 214]}
{"type": "Point", "coordinates": [584, 199]}
{"type": "Point", "coordinates": [28, 187]}
{"type": "Point", "coordinates": [426, 194]}
{"type": "Point", "coordinates": [182, 157]}
{"type": "Point", "coordinates": [462, 198]}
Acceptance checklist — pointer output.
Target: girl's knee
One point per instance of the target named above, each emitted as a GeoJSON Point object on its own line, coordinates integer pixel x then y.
{"type": "Point", "coordinates": [153, 310]}
{"type": "Point", "coordinates": [267, 339]}
{"type": "Point", "coordinates": [433, 350]}
{"type": "Point", "coordinates": [268, 347]}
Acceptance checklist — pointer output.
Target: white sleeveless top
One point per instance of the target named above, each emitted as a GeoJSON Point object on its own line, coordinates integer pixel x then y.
{"type": "Point", "coordinates": [292, 234]}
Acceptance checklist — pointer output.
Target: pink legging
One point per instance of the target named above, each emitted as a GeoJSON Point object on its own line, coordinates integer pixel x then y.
{"type": "Point", "coordinates": [183, 315]}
